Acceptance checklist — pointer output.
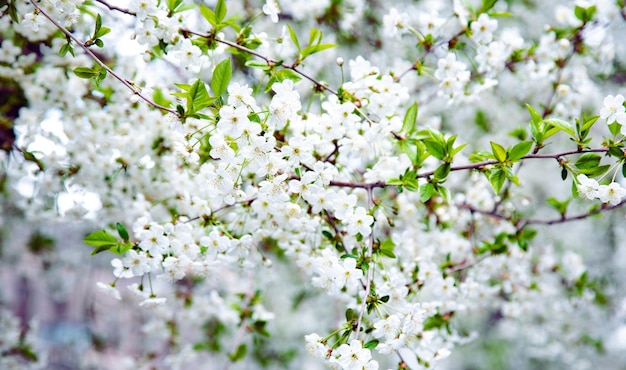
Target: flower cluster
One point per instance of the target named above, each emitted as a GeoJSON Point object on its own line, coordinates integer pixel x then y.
{"type": "Point", "coordinates": [388, 200]}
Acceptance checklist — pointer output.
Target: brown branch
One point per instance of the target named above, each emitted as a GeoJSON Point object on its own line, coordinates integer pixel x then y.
{"type": "Point", "coordinates": [521, 223]}
{"type": "Point", "coordinates": [479, 165]}
{"type": "Point", "coordinates": [113, 7]}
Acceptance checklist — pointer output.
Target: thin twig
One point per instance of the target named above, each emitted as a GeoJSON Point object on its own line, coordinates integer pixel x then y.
{"type": "Point", "coordinates": [113, 7]}
{"type": "Point", "coordinates": [369, 276]}
{"type": "Point", "coordinates": [521, 223]}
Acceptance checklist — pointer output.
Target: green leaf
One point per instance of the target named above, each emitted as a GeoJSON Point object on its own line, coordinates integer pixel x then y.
{"type": "Point", "coordinates": [100, 238]}
{"type": "Point", "coordinates": [13, 12]}
{"type": "Point", "coordinates": [173, 4]}
{"type": "Point", "coordinates": [426, 192]}
{"type": "Point", "coordinates": [562, 125]}
{"type": "Point", "coordinates": [208, 14]}
{"type": "Point", "coordinates": [294, 37]}
{"type": "Point", "coordinates": [457, 149]}
{"type": "Point", "coordinates": [184, 8]}
{"type": "Point", "coordinates": [123, 233]}
{"type": "Point", "coordinates": [101, 76]}
{"type": "Point", "coordinates": [103, 31]}
{"type": "Point", "coordinates": [198, 97]}
{"type": "Point", "coordinates": [410, 119]}
{"type": "Point", "coordinates": [519, 150]}
{"type": "Point", "coordinates": [310, 50]}
{"type": "Point", "coordinates": [287, 74]}
{"type": "Point", "coordinates": [588, 161]}
{"type": "Point", "coordinates": [99, 43]}
{"type": "Point", "coordinates": [487, 4]}
{"type": "Point", "coordinates": [387, 247]}
{"type": "Point", "coordinates": [589, 123]}
{"type": "Point", "coordinates": [536, 117]}
{"type": "Point", "coordinates": [85, 72]}
{"type": "Point", "coordinates": [615, 128]}
{"type": "Point", "coordinates": [595, 171]}
{"type": "Point", "coordinates": [561, 207]}
{"type": "Point", "coordinates": [435, 322]}
{"type": "Point", "coordinates": [350, 314]}
{"type": "Point", "coordinates": [66, 48]}
{"type": "Point", "coordinates": [239, 353]}
{"type": "Point", "coordinates": [120, 248]}
{"type": "Point", "coordinates": [220, 10]}
{"type": "Point", "coordinates": [315, 36]}
{"type": "Point", "coordinates": [371, 344]}
{"type": "Point", "coordinates": [498, 152]}
{"type": "Point", "coordinates": [445, 193]}
{"type": "Point", "coordinates": [258, 64]}
{"type": "Point", "coordinates": [496, 179]}
{"type": "Point", "coordinates": [221, 77]}
{"type": "Point", "coordinates": [410, 183]}
{"type": "Point", "coordinates": [442, 172]}
{"type": "Point", "coordinates": [435, 148]}
{"type": "Point", "coordinates": [584, 14]}
{"type": "Point", "coordinates": [98, 24]}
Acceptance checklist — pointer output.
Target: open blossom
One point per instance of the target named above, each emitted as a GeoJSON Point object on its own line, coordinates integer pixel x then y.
{"type": "Point", "coordinates": [138, 263]}
{"type": "Point", "coordinates": [109, 290]}
{"type": "Point", "coordinates": [143, 8]}
{"type": "Point", "coordinates": [154, 241]}
{"type": "Point", "coordinates": [612, 193]}
{"type": "Point", "coordinates": [483, 28]}
{"type": "Point", "coordinates": [360, 222]}
{"type": "Point", "coordinates": [355, 357]}
{"type": "Point", "coordinates": [394, 21]}
{"type": "Point", "coordinates": [587, 188]}
{"type": "Point", "coordinates": [187, 54]}
{"type": "Point", "coordinates": [613, 109]}
{"type": "Point", "coordinates": [271, 8]}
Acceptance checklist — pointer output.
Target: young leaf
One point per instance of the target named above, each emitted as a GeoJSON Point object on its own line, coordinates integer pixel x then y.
{"type": "Point", "coordinates": [100, 238]}
{"type": "Point", "coordinates": [498, 152]}
{"type": "Point", "coordinates": [121, 248]}
{"type": "Point", "coordinates": [310, 50]}
{"type": "Point", "coordinates": [519, 150]}
{"type": "Point", "coordinates": [615, 128]}
{"type": "Point", "coordinates": [588, 161]}
{"type": "Point", "coordinates": [426, 192]}
{"type": "Point", "coordinates": [410, 119]}
{"type": "Point", "coordinates": [221, 77]}
{"type": "Point", "coordinates": [496, 179]}
{"type": "Point", "coordinates": [208, 14]}
{"type": "Point", "coordinates": [239, 353]}
{"type": "Point", "coordinates": [85, 72]}
{"type": "Point", "coordinates": [562, 125]}
{"type": "Point", "coordinates": [198, 97]}
{"type": "Point", "coordinates": [121, 230]}
{"type": "Point", "coordinates": [220, 10]}
{"type": "Point", "coordinates": [435, 148]}
{"type": "Point", "coordinates": [442, 172]}
{"type": "Point", "coordinates": [13, 12]}
{"type": "Point", "coordinates": [315, 36]}
{"type": "Point", "coordinates": [294, 37]}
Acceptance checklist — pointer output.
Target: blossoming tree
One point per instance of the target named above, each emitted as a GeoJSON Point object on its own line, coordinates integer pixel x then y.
{"type": "Point", "coordinates": [346, 184]}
